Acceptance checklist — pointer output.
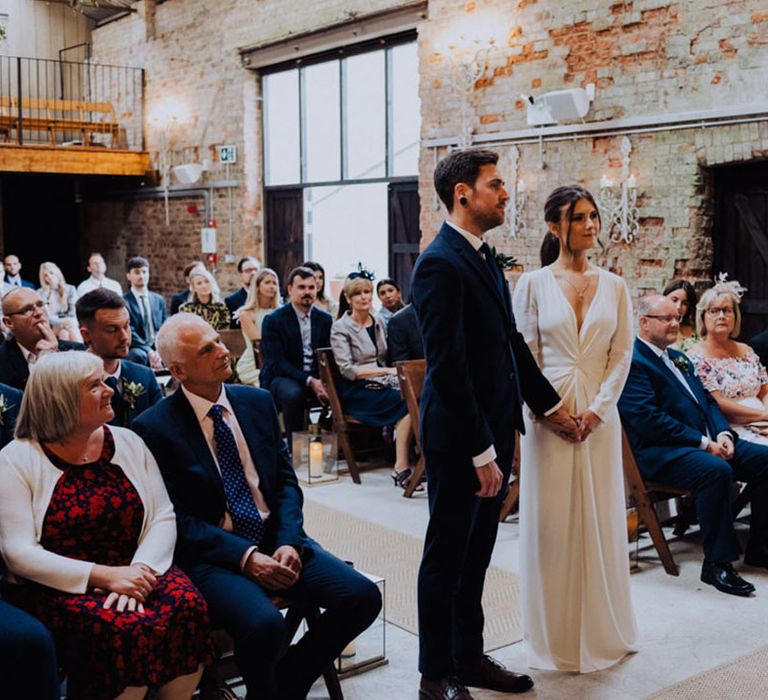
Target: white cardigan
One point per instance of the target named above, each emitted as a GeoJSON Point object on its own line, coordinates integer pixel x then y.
{"type": "Point", "coordinates": [27, 481]}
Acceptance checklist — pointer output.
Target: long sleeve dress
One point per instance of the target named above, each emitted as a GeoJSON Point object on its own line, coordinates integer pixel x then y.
{"type": "Point", "coordinates": [577, 612]}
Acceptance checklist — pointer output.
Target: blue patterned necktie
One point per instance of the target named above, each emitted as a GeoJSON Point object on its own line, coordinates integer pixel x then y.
{"type": "Point", "coordinates": [246, 518]}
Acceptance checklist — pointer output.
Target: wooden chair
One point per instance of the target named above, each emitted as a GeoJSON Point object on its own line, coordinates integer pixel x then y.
{"type": "Point", "coordinates": [235, 342]}
{"type": "Point", "coordinates": [411, 376]}
{"type": "Point", "coordinates": [225, 668]}
{"type": "Point", "coordinates": [257, 354]}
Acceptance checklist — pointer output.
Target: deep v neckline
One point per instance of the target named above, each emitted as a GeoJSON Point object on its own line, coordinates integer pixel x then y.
{"type": "Point", "coordinates": [579, 328]}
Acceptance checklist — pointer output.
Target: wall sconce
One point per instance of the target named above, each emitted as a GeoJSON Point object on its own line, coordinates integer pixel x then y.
{"type": "Point", "coordinates": [618, 202]}
{"type": "Point", "coordinates": [515, 209]}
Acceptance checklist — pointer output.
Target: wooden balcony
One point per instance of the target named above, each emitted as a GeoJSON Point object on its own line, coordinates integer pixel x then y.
{"type": "Point", "coordinates": [75, 160]}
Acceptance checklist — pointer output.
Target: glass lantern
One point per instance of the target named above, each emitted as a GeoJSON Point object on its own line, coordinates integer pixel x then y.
{"type": "Point", "coordinates": [315, 456]}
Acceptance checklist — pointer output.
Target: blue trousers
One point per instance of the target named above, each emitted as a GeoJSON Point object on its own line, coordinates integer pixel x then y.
{"type": "Point", "coordinates": [711, 480]}
{"type": "Point", "coordinates": [27, 657]}
{"type": "Point", "coordinates": [241, 607]}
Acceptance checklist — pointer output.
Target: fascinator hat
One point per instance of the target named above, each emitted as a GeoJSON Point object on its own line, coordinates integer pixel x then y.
{"type": "Point", "coordinates": [722, 286]}
{"type": "Point", "coordinates": [361, 273]}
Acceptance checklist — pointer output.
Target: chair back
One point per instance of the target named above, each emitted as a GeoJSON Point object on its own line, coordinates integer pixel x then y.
{"type": "Point", "coordinates": [258, 357]}
{"type": "Point", "coordinates": [410, 373]}
{"type": "Point", "coordinates": [234, 340]}
{"type": "Point", "coordinates": [329, 373]}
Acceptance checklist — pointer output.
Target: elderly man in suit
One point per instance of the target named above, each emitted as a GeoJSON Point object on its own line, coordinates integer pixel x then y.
{"type": "Point", "coordinates": [479, 372]}
{"type": "Point", "coordinates": [289, 337]}
{"type": "Point", "coordinates": [106, 330]}
{"type": "Point", "coordinates": [680, 437]}
{"type": "Point", "coordinates": [24, 315]}
{"type": "Point", "coordinates": [147, 312]}
{"type": "Point", "coordinates": [238, 504]}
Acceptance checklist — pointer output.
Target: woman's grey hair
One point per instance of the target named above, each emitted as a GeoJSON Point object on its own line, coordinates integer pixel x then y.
{"type": "Point", "coordinates": [50, 408]}
{"type": "Point", "coordinates": [706, 301]}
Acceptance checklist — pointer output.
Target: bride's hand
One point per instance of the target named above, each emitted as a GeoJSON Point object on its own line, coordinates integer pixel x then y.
{"type": "Point", "coordinates": [562, 424]}
{"type": "Point", "coordinates": [588, 421]}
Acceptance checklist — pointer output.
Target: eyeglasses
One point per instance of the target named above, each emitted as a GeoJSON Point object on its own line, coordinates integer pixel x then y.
{"type": "Point", "coordinates": [717, 310]}
{"type": "Point", "coordinates": [664, 319]}
{"type": "Point", "coordinates": [28, 310]}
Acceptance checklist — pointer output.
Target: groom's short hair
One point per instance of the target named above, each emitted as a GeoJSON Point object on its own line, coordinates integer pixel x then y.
{"type": "Point", "coordinates": [460, 166]}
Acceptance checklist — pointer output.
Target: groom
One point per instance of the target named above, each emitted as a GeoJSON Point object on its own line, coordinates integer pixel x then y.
{"type": "Point", "coordinates": [479, 372]}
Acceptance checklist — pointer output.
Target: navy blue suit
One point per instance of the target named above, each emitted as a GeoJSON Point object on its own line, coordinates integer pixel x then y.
{"type": "Point", "coordinates": [14, 369]}
{"type": "Point", "coordinates": [178, 299]}
{"type": "Point", "coordinates": [12, 400]}
{"type": "Point", "coordinates": [212, 556]}
{"type": "Point", "coordinates": [479, 371]}
{"type": "Point", "coordinates": [140, 348]}
{"type": "Point", "coordinates": [283, 372]}
{"type": "Point", "coordinates": [234, 301]}
{"type": "Point", "coordinates": [127, 409]}
{"type": "Point", "coordinates": [403, 336]}
{"type": "Point", "coordinates": [665, 423]}
{"type": "Point", "coordinates": [24, 283]}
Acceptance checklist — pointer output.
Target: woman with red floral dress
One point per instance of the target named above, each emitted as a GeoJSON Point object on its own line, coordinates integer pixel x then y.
{"type": "Point", "coordinates": [88, 532]}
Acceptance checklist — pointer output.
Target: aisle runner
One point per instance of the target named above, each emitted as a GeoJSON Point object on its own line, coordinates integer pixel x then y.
{"type": "Point", "coordinates": [395, 556]}
{"type": "Point", "coordinates": [744, 678]}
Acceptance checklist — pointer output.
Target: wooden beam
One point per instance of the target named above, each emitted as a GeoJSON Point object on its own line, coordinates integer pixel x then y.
{"type": "Point", "coordinates": [72, 160]}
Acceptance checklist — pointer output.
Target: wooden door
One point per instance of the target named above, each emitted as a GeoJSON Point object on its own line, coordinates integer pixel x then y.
{"type": "Point", "coordinates": [404, 232]}
{"type": "Point", "coordinates": [284, 228]}
{"type": "Point", "coordinates": [741, 238]}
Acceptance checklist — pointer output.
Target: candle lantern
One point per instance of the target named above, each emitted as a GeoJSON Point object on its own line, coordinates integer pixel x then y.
{"type": "Point", "coordinates": [315, 456]}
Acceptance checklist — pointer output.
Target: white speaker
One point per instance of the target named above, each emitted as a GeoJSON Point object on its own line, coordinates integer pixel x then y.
{"type": "Point", "coordinates": [559, 105]}
{"type": "Point", "coordinates": [188, 173]}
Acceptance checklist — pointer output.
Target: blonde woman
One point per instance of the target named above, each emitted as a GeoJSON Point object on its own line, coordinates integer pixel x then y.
{"type": "Point", "coordinates": [730, 370]}
{"type": "Point", "coordinates": [59, 298]}
{"type": "Point", "coordinates": [205, 299]}
{"type": "Point", "coordinates": [263, 298]}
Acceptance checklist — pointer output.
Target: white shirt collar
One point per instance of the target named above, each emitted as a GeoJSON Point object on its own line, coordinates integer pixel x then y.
{"type": "Point", "coordinates": [474, 240]}
{"type": "Point", "coordinates": [138, 293]}
{"type": "Point", "coordinates": [202, 406]}
{"type": "Point", "coordinates": [24, 352]}
{"type": "Point", "coordinates": [300, 314]}
{"type": "Point", "coordinates": [655, 348]}
{"type": "Point", "coordinates": [118, 371]}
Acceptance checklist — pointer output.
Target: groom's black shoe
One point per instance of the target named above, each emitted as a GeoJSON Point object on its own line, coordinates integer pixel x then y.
{"type": "Point", "coordinates": [489, 673]}
{"type": "Point", "coordinates": [722, 576]}
{"type": "Point", "coordinates": [448, 688]}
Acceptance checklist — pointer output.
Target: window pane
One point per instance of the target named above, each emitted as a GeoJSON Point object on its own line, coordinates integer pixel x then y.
{"type": "Point", "coordinates": [321, 119]}
{"type": "Point", "coordinates": [365, 144]}
{"type": "Point", "coordinates": [406, 109]}
{"type": "Point", "coordinates": [335, 237]}
{"type": "Point", "coordinates": [281, 127]}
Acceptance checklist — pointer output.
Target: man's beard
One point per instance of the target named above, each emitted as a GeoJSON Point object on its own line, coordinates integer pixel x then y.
{"type": "Point", "coordinates": [490, 219]}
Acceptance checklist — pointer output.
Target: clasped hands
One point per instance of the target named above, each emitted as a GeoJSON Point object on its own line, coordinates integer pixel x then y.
{"type": "Point", "coordinates": [722, 447]}
{"type": "Point", "coordinates": [125, 586]}
{"type": "Point", "coordinates": [571, 428]}
{"type": "Point", "coordinates": [275, 573]}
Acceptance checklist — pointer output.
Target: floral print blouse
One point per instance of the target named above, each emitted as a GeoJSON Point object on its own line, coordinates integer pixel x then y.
{"type": "Point", "coordinates": [735, 377]}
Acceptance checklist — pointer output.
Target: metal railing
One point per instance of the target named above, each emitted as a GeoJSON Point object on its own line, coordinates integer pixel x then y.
{"type": "Point", "coordinates": [64, 103]}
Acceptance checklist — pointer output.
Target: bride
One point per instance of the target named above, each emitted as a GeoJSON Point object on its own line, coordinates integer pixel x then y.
{"type": "Point", "coordinates": [577, 320]}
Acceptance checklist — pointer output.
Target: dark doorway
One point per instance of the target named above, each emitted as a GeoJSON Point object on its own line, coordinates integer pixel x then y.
{"type": "Point", "coordinates": [41, 222]}
{"type": "Point", "coordinates": [741, 238]}
{"type": "Point", "coordinates": [404, 233]}
{"type": "Point", "coordinates": [284, 223]}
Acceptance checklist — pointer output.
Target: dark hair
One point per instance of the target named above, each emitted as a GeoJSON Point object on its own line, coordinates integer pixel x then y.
{"type": "Point", "coordinates": [317, 267]}
{"type": "Point", "coordinates": [136, 261]}
{"type": "Point", "coordinates": [460, 166]}
{"type": "Point", "coordinates": [690, 294]}
{"type": "Point", "coordinates": [550, 249]}
{"type": "Point", "coordinates": [300, 271]}
{"type": "Point", "coordinates": [244, 260]}
{"type": "Point", "coordinates": [567, 196]}
{"type": "Point", "coordinates": [88, 304]}
{"type": "Point", "coordinates": [387, 280]}
{"type": "Point", "coordinates": [343, 305]}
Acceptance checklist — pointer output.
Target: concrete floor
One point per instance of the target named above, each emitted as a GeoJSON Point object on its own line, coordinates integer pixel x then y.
{"type": "Point", "coordinates": [685, 626]}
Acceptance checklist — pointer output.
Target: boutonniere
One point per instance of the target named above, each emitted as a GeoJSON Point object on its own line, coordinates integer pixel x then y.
{"type": "Point", "coordinates": [4, 407]}
{"type": "Point", "coordinates": [131, 392]}
{"type": "Point", "coordinates": [683, 365]}
{"type": "Point", "coordinates": [505, 262]}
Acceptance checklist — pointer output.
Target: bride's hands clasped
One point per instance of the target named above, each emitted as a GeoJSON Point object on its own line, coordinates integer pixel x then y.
{"type": "Point", "coordinates": [587, 422]}
{"type": "Point", "coordinates": [562, 424]}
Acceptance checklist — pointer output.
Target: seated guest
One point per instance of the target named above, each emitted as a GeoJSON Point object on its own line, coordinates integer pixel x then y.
{"type": "Point", "coordinates": [241, 534]}
{"type": "Point", "coordinates": [106, 329]}
{"type": "Point", "coordinates": [683, 295]}
{"type": "Point", "coordinates": [323, 301]}
{"type": "Point", "coordinates": [205, 299]}
{"type": "Point", "coordinates": [759, 343]}
{"type": "Point", "coordinates": [404, 337]}
{"type": "Point", "coordinates": [87, 529]}
{"type": "Point", "coordinates": [59, 298]}
{"type": "Point", "coordinates": [290, 336]}
{"type": "Point", "coordinates": [368, 389]}
{"type": "Point", "coordinates": [12, 277]}
{"type": "Point", "coordinates": [680, 437]}
{"type": "Point", "coordinates": [390, 297]}
{"type": "Point", "coordinates": [247, 267]}
{"type": "Point", "coordinates": [263, 298]}
{"type": "Point", "coordinates": [25, 317]}
{"type": "Point", "coordinates": [730, 370]}
{"type": "Point", "coordinates": [98, 279]}
{"type": "Point", "coordinates": [10, 400]}
{"type": "Point", "coordinates": [147, 312]}
{"type": "Point", "coordinates": [183, 296]}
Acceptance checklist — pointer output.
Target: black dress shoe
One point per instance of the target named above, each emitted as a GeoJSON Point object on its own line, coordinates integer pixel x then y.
{"type": "Point", "coordinates": [488, 673]}
{"type": "Point", "coordinates": [756, 556]}
{"type": "Point", "coordinates": [448, 688]}
{"type": "Point", "coordinates": [723, 577]}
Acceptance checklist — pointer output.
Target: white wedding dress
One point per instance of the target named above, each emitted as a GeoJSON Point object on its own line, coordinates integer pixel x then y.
{"type": "Point", "coordinates": [577, 612]}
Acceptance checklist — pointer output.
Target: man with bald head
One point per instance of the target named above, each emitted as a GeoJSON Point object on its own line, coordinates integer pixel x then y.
{"type": "Point", "coordinates": [25, 317]}
{"type": "Point", "coordinates": [680, 437]}
{"type": "Point", "coordinates": [238, 504]}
